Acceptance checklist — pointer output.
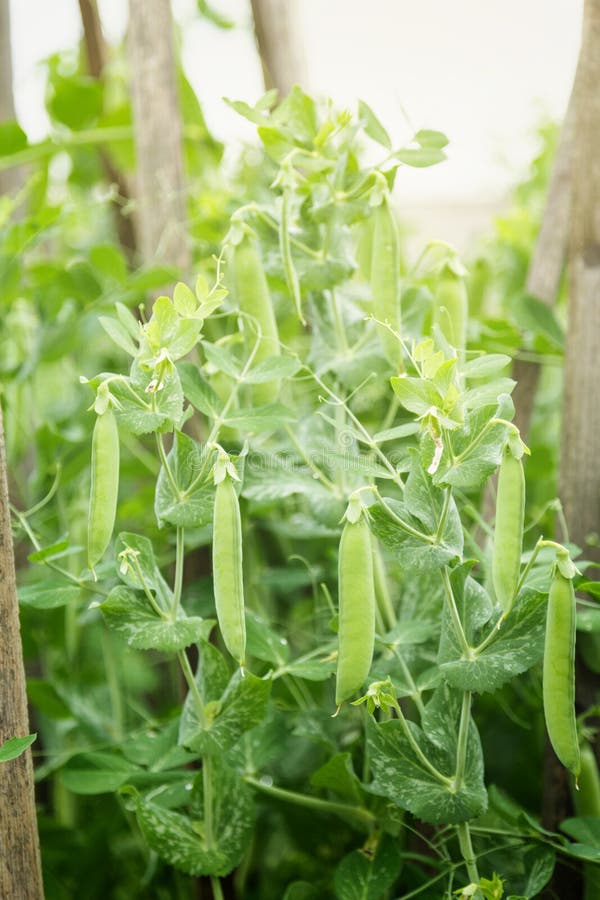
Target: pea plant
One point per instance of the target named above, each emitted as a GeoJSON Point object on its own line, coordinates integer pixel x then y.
{"type": "Point", "coordinates": [333, 617]}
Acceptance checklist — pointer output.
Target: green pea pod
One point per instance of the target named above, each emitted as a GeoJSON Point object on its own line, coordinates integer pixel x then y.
{"type": "Point", "coordinates": [385, 286]}
{"type": "Point", "coordinates": [451, 309]}
{"type": "Point", "coordinates": [356, 631]}
{"type": "Point", "coordinates": [228, 579]}
{"type": "Point", "coordinates": [104, 486]}
{"type": "Point", "coordinates": [587, 798]}
{"type": "Point", "coordinates": [587, 803]}
{"type": "Point", "coordinates": [508, 529]}
{"type": "Point", "coordinates": [252, 294]}
{"type": "Point", "coordinates": [559, 672]}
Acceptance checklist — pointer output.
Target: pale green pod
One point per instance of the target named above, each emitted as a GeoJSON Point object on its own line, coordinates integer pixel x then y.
{"type": "Point", "coordinates": [559, 672]}
{"type": "Point", "coordinates": [251, 291]}
{"type": "Point", "coordinates": [508, 529]}
{"type": "Point", "coordinates": [451, 309]}
{"type": "Point", "coordinates": [356, 629]}
{"type": "Point", "coordinates": [228, 580]}
{"type": "Point", "coordinates": [104, 486]}
{"type": "Point", "coordinates": [385, 284]}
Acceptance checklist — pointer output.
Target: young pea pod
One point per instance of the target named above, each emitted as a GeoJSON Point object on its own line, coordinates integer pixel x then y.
{"type": "Point", "coordinates": [385, 286]}
{"type": "Point", "coordinates": [356, 631]}
{"type": "Point", "coordinates": [451, 308]}
{"type": "Point", "coordinates": [559, 671]}
{"type": "Point", "coordinates": [104, 486]}
{"type": "Point", "coordinates": [587, 799]}
{"type": "Point", "coordinates": [252, 293]}
{"type": "Point", "coordinates": [228, 579]}
{"type": "Point", "coordinates": [508, 529]}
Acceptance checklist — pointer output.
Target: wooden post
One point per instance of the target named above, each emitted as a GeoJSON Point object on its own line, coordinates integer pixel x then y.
{"type": "Point", "coordinates": [95, 48]}
{"type": "Point", "coordinates": [20, 867]}
{"type": "Point", "coordinates": [279, 45]}
{"type": "Point", "coordinates": [10, 179]}
{"type": "Point", "coordinates": [579, 468]}
{"type": "Point", "coordinates": [161, 203]}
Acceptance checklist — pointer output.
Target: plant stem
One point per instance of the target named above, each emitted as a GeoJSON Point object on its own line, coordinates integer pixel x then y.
{"type": "Point", "coordinates": [319, 475]}
{"type": "Point", "coordinates": [466, 848]}
{"type": "Point", "coordinates": [316, 803]}
{"type": "Point", "coordinates": [444, 516]}
{"type": "Point", "coordinates": [448, 782]}
{"type": "Point", "coordinates": [217, 890]}
{"type": "Point", "coordinates": [192, 685]}
{"type": "Point", "coordinates": [463, 734]}
{"type": "Point", "coordinates": [179, 556]}
{"type": "Point", "coordinates": [416, 693]}
{"type": "Point", "coordinates": [166, 466]}
{"type": "Point", "coordinates": [467, 650]}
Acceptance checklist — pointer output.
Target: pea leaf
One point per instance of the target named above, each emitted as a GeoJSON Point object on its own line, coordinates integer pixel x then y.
{"type": "Point", "coordinates": [141, 411]}
{"type": "Point", "coordinates": [242, 705]}
{"type": "Point", "coordinates": [401, 777]}
{"type": "Point", "coordinates": [518, 645]}
{"type": "Point", "coordinates": [49, 595]}
{"type": "Point", "coordinates": [96, 773]}
{"type": "Point", "coordinates": [130, 614]}
{"type": "Point", "coordinates": [273, 368]}
{"type": "Point", "coordinates": [363, 877]}
{"type": "Point", "coordinates": [338, 775]}
{"type": "Point", "coordinates": [14, 747]}
{"type": "Point", "coordinates": [181, 839]}
{"type": "Point", "coordinates": [198, 391]}
{"type": "Point", "coordinates": [182, 504]}
{"type": "Point", "coordinates": [372, 126]}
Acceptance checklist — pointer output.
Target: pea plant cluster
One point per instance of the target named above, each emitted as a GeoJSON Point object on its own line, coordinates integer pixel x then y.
{"type": "Point", "coordinates": [331, 621]}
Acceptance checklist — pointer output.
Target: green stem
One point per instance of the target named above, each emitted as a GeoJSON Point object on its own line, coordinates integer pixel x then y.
{"type": "Point", "coordinates": [319, 475]}
{"type": "Point", "coordinates": [444, 516]}
{"type": "Point", "coordinates": [404, 525]}
{"type": "Point", "coordinates": [316, 803]}
{"type": "Point", "coordinates": [340, 331]}
{"type": "Point", "coordinates": [463, 734]}
{"type": "Point", "coordinates": [365, 435]}
{"type": "Point", "coordinates": [179, 557]}
{"type": "Point", "coordinates": [166, 466]}
{"type": "Point", "coordinates": [467, 650]}
{"type": "Point", "coordinates": [416, 693]}
{"type": "Point", "coordinates": [193, 687]}
{"type": "Point", "coordinates": [443, 779]}
{"type": "Point", "coordinates": [381, 588]}
{"type": "Point", "coordinates": [134, 562]}
{"type": "Point", "coordinates": [466, 848]}
{"type": "Point", "coordinates": [217, 890]}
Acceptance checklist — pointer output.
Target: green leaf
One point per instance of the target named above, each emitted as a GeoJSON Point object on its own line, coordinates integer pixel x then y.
{"type": "Point", "coordinates": [489, 365]}
{"type": "Point", "coordinates": [264, 643]}
{"type": "Point", "coordinates": [301, 890]}
{"type": "Point", "coordinates": [45, 697]}
{"type": "Point", "coordinates": [518, 645]}
{"type": "Point", "coordinates": [116, 331]}
{"type": "Point", "coordinates": [198, 391]}
{"type": "Point", "coordinates": [186, 506]}
{"type": "Point", "coordinates": [473, 458]}
{"type": "Point", "coordinates": [401, 777]}
{"type": "Point", "coordinates": [372, 126]}
{"type": "Point", "coordinates": [139, 548]}
{"type": "Point", "coordinates": [96, 773]}
{"type": "Point", "coordinates": [141, 411]}
{"type": "Point", "coordinates": [273, 368]}
{"type": "Point", "coordinates": [184, 300]}
{"type": "Point", "coordinates": [14, 747]}
{"type": "Point", "coordinates": [585, 830]}
{"type": "Point", "coordinates": [259, 419]}
{"type": "Point", "coordinates": [182, 841]}
{"type": "Point", "coordinates": [416, 395]}
{"type": "Point", "coordinates": [47, 595]}
{"type": "Point", "coordinates": [366, 877]}
{"type": "Point", "coordinates": [130, 615]}
{"type": "Point", "coordinates": [420, 157]}
{"type": "Point", "coordinates": [338, 775]}
{"type": "Point", "coordinates": [221, 359]}
{"type": "Point", "coordinates": [12, 138]}
{"type": "Point", "coordinates": [242, 705]}
{"type": "Point", "coordinates": [426, 137]}
{"type": "Point", "coordinates": [52, 551]}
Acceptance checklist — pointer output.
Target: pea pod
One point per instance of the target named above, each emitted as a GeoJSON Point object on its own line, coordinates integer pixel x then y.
{"type": "Point", "coordinates": [228, 579]}
{"type": "Point", "coordinates": [356, 631]}
{"type": "Point", "coordinates": [587, 803]}
{"type": "Point", "coordinates": [508, 529]}
{"type": "Point", "coordinates": [104, 486]}
{"type": "Point", "coordinates": [451, 308]}
{"type": "Point", "coordinates": [559, 672]}
{"type": "Point", "coordinates": [252, 293]}
{"type": "Point", "coordinates": [385, 286]}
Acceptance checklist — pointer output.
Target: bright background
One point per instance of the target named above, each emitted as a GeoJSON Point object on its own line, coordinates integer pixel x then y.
{"type": "Point", "coordinates": [483, 71]}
